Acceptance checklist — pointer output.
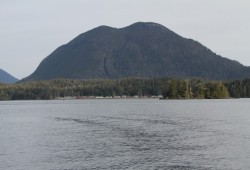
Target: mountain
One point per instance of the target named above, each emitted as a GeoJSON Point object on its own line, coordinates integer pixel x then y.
{"type": "Point", "coordinates": [6, 77]}
{"type": "Point", "coordinates": [139, 50]}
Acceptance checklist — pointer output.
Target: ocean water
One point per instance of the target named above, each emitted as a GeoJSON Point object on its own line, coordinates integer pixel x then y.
{"type": "Point", "coordinates": [125, 134]}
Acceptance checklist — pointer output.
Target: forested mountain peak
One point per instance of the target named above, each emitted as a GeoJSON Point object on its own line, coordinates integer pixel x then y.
{"type": "Point", "coordinates": [146, 25]}
{"type": "Point", "coordinates": [143, 49]}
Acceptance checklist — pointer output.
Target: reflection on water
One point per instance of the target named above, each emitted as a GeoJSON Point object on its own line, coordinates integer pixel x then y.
{"type": "Point", "coordinates": [125, 134]}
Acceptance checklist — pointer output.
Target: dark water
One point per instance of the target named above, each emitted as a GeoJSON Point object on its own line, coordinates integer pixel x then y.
{"type": "Point", "coordinates": [125, 134]}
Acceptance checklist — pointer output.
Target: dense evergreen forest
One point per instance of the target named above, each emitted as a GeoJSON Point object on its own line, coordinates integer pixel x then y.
{"type": "Point", "coordinates": [129, 87]}
{"type": "Point", "coordinates": [140, 50]}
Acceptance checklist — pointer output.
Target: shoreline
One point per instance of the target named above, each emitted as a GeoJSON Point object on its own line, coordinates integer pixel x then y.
{"type": "Point", "coordinates": [106, 97]}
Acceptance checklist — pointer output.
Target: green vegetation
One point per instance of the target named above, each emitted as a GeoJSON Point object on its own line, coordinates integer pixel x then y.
{"type": "Point", "coordinates": [239, 88]}
{"type": "Point", "coordinates": [141, 87]}
{"type": "Point", "coordinates": [195, 89]}
{"type": "Point", "coordinates": [140, 50]}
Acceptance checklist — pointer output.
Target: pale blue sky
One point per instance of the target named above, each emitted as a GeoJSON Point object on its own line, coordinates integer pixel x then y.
{"type": "Point", "coordinates": [32, 29]}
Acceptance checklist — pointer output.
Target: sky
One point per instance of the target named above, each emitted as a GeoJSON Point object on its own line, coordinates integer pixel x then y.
{"type": "Point", "coordinates": [32, 29]}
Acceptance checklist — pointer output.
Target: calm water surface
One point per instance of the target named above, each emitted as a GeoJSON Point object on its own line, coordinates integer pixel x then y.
{"type": "Point", "coordinates": [125, 134]}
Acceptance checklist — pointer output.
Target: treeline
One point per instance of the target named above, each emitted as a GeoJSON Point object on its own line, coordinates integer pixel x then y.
{"type": "Point", "coordinates": [239, 88]}
{"type": "Point", "coordinates": [141, 87]}
{"type": "Point", "coordinates": [198, 89]}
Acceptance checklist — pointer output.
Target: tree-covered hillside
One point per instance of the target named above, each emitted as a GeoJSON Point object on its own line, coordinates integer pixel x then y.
{"type": "Point", "coordinates": [147, 50]}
